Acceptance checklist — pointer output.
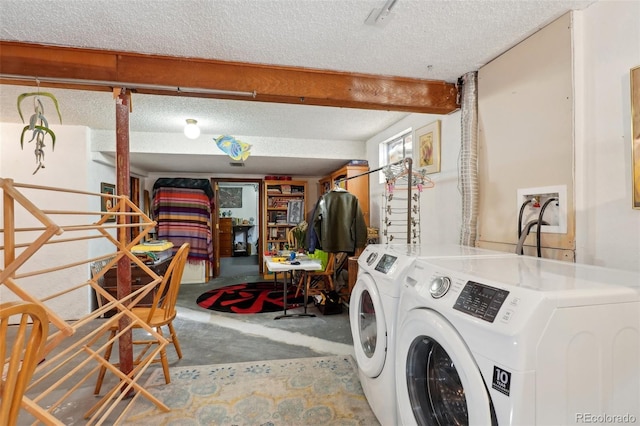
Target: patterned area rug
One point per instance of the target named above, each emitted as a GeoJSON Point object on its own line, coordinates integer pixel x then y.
{"type": "Point", "coordinates": [250, 298]}
{"type": "Point", "coordinates": [290, 392]}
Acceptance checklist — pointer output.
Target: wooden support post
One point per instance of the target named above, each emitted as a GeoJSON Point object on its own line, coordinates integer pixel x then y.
{"type": "Point", "coordinates": [9, 224]}
{"type": "Point", "coordinates": [122, 188]}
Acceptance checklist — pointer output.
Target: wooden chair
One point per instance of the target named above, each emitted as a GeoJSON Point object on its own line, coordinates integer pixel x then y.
{"type": "Point", "coordinates": [291, 241]}
{"type": "Point", "coordinates": [20, 352]}
{"type": "Point", "coordinates": [161, 313]}
{"type": "Point", "coordinates": [326, 276]}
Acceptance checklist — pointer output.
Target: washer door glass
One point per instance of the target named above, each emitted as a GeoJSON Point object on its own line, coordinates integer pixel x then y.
{"type": "Point", "coordinates": [438, 380]}
{"type": "Point", "coordinates": [434, 386]}
{"type": "Point", "coordinates": [368, 326]}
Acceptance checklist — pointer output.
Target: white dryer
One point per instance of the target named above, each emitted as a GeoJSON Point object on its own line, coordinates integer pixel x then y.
{"type": "Point", "coordinates": [517, 341]}
{"type": "Point", "coordinates": [373, 314]}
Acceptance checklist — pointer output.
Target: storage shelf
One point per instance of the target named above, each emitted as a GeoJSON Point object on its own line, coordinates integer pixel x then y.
{"type": "Point", "coordinates": [358, 186]}
{"type": "Point", "coordinates": [274, 234]}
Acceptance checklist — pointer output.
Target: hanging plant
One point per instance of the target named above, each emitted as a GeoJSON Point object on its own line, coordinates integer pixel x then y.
{"type": "Point", "coordinates": [38, 125]}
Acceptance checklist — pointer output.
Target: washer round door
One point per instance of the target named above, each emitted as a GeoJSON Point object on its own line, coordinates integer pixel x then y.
{"type": "Point", "coordinates": [368, 326]}
{"type": "Point", "coordinates": [438, 381]}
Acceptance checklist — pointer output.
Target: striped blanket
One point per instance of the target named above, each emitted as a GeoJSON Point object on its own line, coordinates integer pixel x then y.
{"type": "Point", "coordinates": [184, 216]}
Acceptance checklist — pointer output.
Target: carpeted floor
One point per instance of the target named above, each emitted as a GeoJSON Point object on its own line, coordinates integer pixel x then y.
{"type": "Point", "coordinates": [290, 392]}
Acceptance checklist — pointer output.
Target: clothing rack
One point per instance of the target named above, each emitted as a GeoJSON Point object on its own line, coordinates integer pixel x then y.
{"type": "Point", "coordinates": [391, 172]}
{"type": "Point", "coordinates": [406, 164]}
{"type": "Point", "coordinates": [397, 163]}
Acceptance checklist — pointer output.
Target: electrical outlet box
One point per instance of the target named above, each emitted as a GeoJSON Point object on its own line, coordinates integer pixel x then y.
{"type": "Point", "coordinates": [553, 199]}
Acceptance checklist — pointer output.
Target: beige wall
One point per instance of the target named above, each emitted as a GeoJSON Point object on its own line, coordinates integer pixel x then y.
{"type": "Point", "coordinates": [525, 103]}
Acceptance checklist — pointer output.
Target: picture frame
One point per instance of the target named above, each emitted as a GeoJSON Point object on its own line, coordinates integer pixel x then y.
{"type": "Point", "coordinates": [426, 151]}
{"type": "Point", "coordinates": [230, 197]}
{"type": "Point", "coordinates": [635, 136]}
{"type": "Point", "coordinates": [106, 202]}
{"type": "Point", "coordinates": [295, 212]}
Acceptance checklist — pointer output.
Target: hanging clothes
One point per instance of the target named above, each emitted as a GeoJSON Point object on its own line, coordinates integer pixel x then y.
{"type": "Point", "coordinates": [183, 214]}
{"type": "Point", "coordinates": [188, 183]}
{"type": "Point", "coordinates": [338, 222]}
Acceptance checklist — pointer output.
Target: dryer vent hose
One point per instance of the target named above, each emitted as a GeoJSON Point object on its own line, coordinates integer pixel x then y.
{"type": "Point", "coordinates": [468, 167]}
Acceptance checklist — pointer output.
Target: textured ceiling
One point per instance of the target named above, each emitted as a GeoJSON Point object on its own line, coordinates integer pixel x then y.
{"type": "Point", "coordinates": [438, 39]}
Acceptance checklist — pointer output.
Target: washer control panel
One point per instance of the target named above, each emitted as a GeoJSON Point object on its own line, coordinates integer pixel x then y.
{"type": "Point", "coordinates": [480, 301]}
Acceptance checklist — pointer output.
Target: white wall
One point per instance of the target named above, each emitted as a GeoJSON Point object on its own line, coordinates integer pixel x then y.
{"type": "Point", "coordinates": [441, 206]}
{"type": "Point", "coordinates": [65, 167]}
{"type": "Point", "coordinates": [103, 140]}
{"type": "Point", "coordinates": [607, 46]}
{"type": "Point", "coordinates": [98, 173]}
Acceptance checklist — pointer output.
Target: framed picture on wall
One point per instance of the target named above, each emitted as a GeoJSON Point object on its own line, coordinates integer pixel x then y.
{"type": "Point", "coordinates": [635, 135]}
{"type": "Point", "coordinates": [230, 198]}
{"type": "Point", "coordinates": [106, 203]}
{"type": "Point", "coordinates": [295, 212]}
{"type": "Point", "coordinates": [426, 152]}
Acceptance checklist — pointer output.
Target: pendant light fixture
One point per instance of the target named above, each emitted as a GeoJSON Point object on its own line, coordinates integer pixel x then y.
{"type": "Point", "coordinates": [191, 130]}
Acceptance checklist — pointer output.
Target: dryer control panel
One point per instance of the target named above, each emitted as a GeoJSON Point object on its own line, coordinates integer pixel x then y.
{"type": "Point", "coordinates": [480, 301]}
{"type": "Point", "coordinates": [385, 263]}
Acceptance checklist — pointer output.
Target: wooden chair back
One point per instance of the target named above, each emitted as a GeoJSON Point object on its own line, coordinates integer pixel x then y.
{"type": "Point", "coordinates": [165, 298]}
{"type": "Point", "coordinates": [20, 351]}
{"type": "Point", "coordinates": [291, 241]}
{"type": "Point", "coordinates": [328, 270]}
{"type": "Point", "coordinates": [326, 275]}
{"type": "Point", "coordinates": [95, 268]}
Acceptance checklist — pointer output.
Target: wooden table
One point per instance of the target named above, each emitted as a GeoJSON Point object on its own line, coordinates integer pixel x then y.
{"type": "Point", "coordinates": [287, 267]}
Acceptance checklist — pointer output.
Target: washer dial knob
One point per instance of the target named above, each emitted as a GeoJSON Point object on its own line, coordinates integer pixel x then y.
{"type": "Point", "coordinates": [439, 287]}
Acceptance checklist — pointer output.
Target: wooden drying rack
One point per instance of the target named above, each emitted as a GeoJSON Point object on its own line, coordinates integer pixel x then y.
{"type": "Point", "coordinates": [66, 370]}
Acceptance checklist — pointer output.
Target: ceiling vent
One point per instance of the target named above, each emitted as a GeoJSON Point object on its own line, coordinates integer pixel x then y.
{"type": "Point", "coordinates": [238, 164]}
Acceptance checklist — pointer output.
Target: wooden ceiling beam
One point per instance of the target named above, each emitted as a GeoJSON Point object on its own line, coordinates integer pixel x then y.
{"type": "Point", "coordinates": [85, 69]}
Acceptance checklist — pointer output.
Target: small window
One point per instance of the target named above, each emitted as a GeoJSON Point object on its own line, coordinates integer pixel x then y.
{"type": "Point", "coordinates": [395, 149]}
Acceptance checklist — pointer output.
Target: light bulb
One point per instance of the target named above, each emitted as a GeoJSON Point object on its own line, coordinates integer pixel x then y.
{"type": "Point", "coordinates": [191, 130]}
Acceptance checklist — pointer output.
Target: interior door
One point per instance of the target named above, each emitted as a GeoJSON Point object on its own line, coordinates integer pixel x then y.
{"type": "Point", "coordinates": [215, 220]}
{"type": "Point", "coordinates": [215, 223]}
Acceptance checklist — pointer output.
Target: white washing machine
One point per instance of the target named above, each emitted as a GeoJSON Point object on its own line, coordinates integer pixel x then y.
{"type": "Point", "coordinates": [517, 341]}
{"type": "Point", "coordinates": [373, 315]}
{"type": "Point", "coordinates": [437, 251]}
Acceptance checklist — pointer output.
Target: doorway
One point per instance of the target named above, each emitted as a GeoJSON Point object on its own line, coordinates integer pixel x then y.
{"type": "Point", "coordinates": [237, 216]}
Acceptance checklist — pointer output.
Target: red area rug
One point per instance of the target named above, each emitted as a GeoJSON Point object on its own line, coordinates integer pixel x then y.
{"type": "Point", "coordinates": [250, 298]}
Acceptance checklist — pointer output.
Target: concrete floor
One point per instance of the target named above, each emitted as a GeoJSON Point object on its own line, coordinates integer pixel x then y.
{"type": "Point", "coordinates": [209, 337]}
